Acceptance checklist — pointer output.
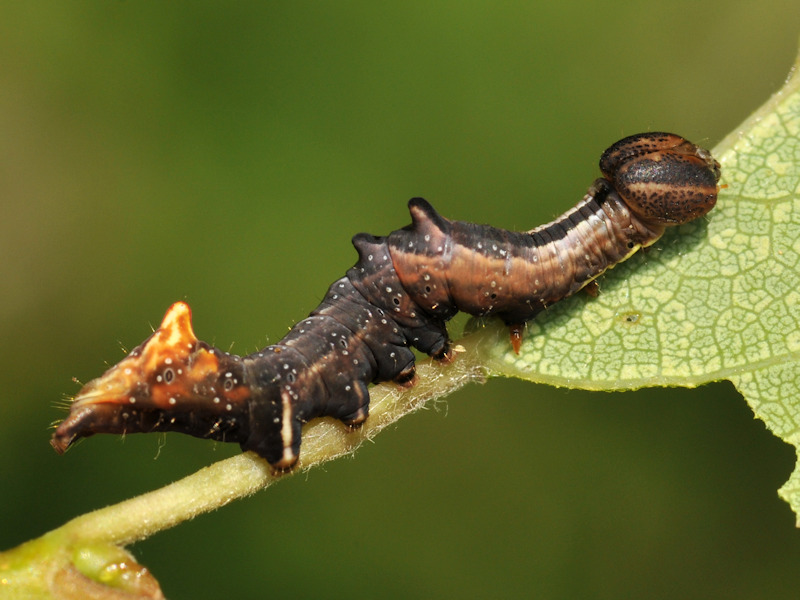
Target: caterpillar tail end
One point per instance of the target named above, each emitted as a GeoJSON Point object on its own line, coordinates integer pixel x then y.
{"type": "Point", "coordinates": [83, 421]}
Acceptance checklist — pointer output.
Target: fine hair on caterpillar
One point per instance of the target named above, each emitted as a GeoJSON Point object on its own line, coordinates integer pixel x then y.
{"type": "Point", "coordinates": [400, 294]}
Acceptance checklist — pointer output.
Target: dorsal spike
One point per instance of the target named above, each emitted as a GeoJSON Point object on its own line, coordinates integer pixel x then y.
{"type": "Point", "coordinates": [176, 326]}
{"type": "Point", "coordinates": [424, 218]}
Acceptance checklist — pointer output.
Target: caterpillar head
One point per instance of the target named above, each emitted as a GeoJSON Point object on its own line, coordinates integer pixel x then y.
{"type": "Point", "coordinates": [662, 177]}
{"type": "Point", "coordinates": [170, 382]}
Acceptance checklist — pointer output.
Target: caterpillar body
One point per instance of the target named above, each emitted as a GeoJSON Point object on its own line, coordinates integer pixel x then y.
{"type": "Point", "coordinates": [399, 295]}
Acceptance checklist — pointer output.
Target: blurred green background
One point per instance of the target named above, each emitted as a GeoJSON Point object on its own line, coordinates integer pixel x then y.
{"type": "Point", "coordinates": [225, 153]}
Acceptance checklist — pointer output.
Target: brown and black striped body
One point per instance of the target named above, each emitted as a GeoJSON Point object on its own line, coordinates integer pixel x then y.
{"type": "Point", "coordinates": [400, 294]}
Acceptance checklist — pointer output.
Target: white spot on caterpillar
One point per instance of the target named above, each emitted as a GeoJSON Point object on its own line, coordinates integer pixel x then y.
{"type": "Point", "coordinates": [286, 430]}
{"type": "Point", "coordinates": [173, 401]}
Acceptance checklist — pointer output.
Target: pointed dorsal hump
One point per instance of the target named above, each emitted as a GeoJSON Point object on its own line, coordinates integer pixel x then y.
{"type": "Point", "coordinates": [176, 327]}
{"type": "Point", "coordinates": [425, 220]}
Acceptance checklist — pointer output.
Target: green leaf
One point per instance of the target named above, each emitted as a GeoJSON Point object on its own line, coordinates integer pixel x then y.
{"type": "Point", "coordinates": [713, 300]}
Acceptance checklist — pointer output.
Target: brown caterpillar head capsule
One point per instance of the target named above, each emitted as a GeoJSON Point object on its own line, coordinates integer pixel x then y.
{"type": "Point", "coordinates": [662, 177]}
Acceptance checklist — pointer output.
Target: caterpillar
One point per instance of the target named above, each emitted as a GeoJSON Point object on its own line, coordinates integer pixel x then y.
{"type": "Point", "coordinates": [400, 294]}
